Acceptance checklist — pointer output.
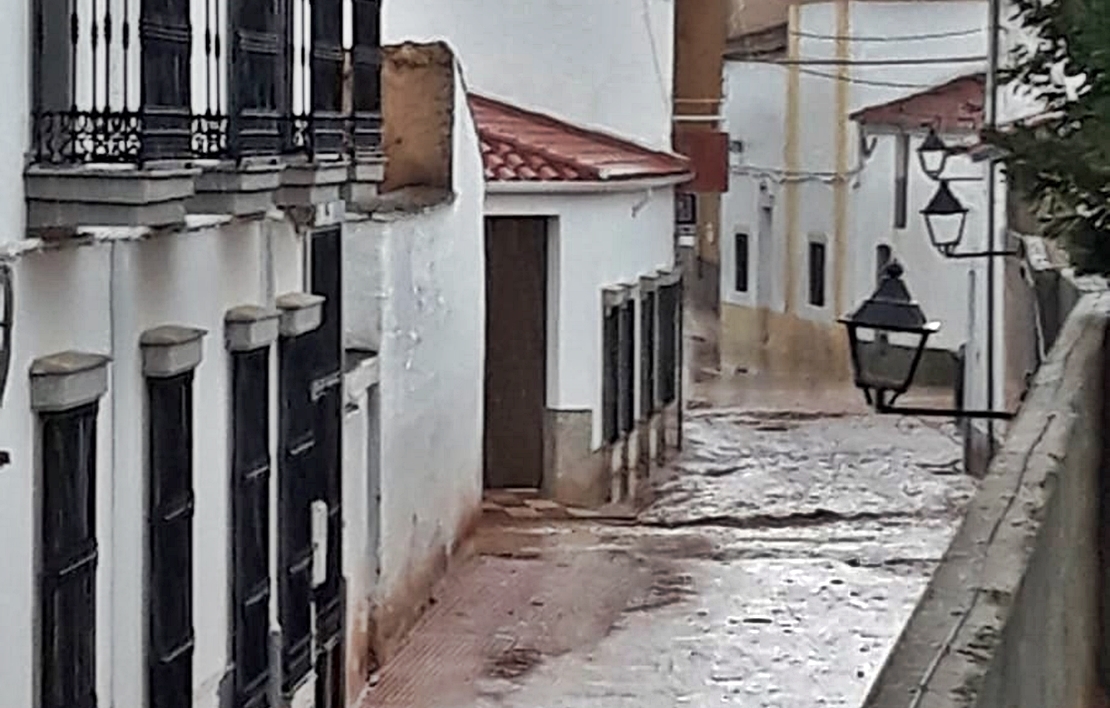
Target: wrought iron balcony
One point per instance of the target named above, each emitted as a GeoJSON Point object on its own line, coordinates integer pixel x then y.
{"type": "Point", "coordinates": [146, 81]}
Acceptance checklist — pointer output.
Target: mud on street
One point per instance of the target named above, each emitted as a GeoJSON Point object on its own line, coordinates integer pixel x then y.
{"type": "Point", "coordinates": [775, 567]}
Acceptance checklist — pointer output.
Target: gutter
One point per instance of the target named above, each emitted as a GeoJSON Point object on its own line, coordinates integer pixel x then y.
{"type": "Point", "coordinates": [583, 187]}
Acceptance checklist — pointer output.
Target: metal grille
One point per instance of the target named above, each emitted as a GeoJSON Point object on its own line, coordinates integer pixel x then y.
{"type": "Point", "coordinates": [67, 597]}
{"type": "Point", "coordinates": [202, 79]}
{"type": "Point", "coordinates": [170, 541]}
{"type": "Point", "coordinates": [251, 526]}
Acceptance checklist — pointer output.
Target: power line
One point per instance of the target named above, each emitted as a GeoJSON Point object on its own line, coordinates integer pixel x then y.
{"type": "Point", "coordinates": [865, 82]}
{"type": "Point", "coordinates": [874, 62]}
{"type": "Point", "coordinates": [879, 38]}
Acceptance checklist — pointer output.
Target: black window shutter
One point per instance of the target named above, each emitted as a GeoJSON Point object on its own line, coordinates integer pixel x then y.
{"type": "Point", "coordinates": [626, 385]}
{"type": "Point", "coordinates": [610, 366]}
{"type": "Point", "coordinates": [296, 484]}
{"type": "Point", "coordinates": [668, 343]}
{"type": "Point", "coordinates": [327, 280]}
{"type": "Point", "coordinates": [166, 38]}
{"type": "Point", "coordinates": [67, 597]}
{"type": "Point", "coordinates": [170, 541]}
{"type": "Point", "coordinates": [741, 263]}
{"type": "Point", "coordinates": [647, 354]}
{"type": "Point", "coordinates": [327, 76]}
{"type": "Point", "coordinates": [817, 274]}
{"type": "Point", "coordinates": [366, 67]}
{"type": "Point", "coordinates": [251, 525]}
{"type": "Point", "coordinates": [259, 75]}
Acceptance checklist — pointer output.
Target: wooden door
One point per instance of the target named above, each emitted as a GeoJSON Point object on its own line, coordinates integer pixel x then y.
{"type": "Point", "coordinates": [516, 351]}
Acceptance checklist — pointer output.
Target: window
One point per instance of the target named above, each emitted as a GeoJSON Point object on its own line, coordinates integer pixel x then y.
{"type": "Point", "coordinates": [67, 645]}
{"type": "Point", "coordinates": [882, 260]}
{"type": "Point", "coordinates": [610, 365]}
{"type": "Point", "coordinates": [741, 263]}
{"type": "Point", "coordinates": [901, 182]}
{"type": "Point", "coordinates": [297, 482]}
{"type": "Point", "coordinates": [327, 389]}
{"type": "Point", "coordinates": [170, 541]}
{"type": "Point", "coordinates": [817, 274]}
{"type": "Point", "coordinates": [647, 354]}
{"type": "Point", "coordinates": [366, 74]}
{"type": "Point", "coordinates": [627, 383]}
{"type": "Point", "coordinates": [669, 312]}
{"type": "Point", "coordinates": [250, 548]}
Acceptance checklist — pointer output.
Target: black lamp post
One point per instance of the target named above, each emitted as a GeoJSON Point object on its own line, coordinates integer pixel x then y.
{"type": "Point", "coordinates": [933, 155]}
{"type": "Point", "coordinates": [883, 371]}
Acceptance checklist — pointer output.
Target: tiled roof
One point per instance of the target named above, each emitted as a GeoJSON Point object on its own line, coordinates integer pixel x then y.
{"type": "Point", "coordinates": [523, 146]}
{"type": "Point", "coordinates": [954, 106]}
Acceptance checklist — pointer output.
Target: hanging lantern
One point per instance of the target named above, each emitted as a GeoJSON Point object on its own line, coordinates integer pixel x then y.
{"type": "Point", "coordinates": [945, 219]}
{"type": "Point", "coordinates": [881, 371]}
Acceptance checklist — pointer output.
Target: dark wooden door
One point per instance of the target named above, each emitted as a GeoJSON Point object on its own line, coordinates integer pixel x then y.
{"type": "Point", "coordinates": [516, 351]}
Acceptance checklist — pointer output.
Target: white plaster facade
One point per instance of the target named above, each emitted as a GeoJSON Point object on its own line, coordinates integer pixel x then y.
{"type": "Point", "coordinates": [757, 202]}
{"type": "Point", "coordinates": [615, 58]}
{"type": "Point", "coordinates": [597, 240]}
{"type": "Point", "coordinates": [99, 297]}
{"type": "Point", "coordinates": [415, 294]}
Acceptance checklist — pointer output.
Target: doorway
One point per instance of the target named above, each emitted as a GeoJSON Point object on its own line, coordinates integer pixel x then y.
{"type": "Point", "coordinates": [516, 351]}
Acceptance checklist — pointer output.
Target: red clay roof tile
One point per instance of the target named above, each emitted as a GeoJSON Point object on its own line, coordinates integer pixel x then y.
{"type": "Point", "coordinates": [956, 105]}
{"type": "Point", "coordinates": [520, 145]}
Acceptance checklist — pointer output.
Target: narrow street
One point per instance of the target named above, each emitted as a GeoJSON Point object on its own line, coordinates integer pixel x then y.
{"type": "Point", "coordinates": [775, 567]}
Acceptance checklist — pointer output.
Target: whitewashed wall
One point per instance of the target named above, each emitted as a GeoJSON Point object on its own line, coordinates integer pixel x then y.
{"type": "Point", "coordinates": [100, 298]}
{"type": "Point", "coordinates": [614, 58]}
{"type": "Point", "coordinates": [598, 240]}
{"type": "Point", "coordinates": [430, 302]}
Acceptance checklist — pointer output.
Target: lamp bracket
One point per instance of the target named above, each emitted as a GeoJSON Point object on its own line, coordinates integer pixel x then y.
{"type": "Point", "coordinates": [984, 254]}
{"type": "Point", "coordinates": [881, 407]}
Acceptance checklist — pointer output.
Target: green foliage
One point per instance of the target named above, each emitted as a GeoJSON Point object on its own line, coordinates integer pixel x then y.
{"type": "Point", "coordinates": [1061, 163]}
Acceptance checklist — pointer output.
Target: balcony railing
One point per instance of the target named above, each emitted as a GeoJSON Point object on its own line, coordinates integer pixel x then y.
{"type": "Point", "coordinates": [137, 81]}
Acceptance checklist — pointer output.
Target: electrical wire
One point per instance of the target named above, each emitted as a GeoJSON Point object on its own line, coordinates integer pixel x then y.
{"type": "Point", "coordinates": [879, 38]}
{"type": "Point", "coordinates": [915, 61]}
{"type": "Point", "coordinates": [865, 82]}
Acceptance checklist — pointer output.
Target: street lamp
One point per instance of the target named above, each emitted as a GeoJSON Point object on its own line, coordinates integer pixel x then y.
{"type": "Point", "coordinates": [933, 155]}
{"type": "Point", "coordinates": [882, 371]}
{"type": "Point", "coordinates": [945, 219]}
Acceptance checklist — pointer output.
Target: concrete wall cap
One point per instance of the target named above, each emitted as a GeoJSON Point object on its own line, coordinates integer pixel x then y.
{"type": "Point", "coordinates": [300, 313]}
{"type": "Point", "coordinates": [616, 295]}
{"type": "Point", "coordinates": [68, 379]}
{"type": "Point", "coordinates": [250, 327]}
{"type": "Point", "coordinates": [169, 350]}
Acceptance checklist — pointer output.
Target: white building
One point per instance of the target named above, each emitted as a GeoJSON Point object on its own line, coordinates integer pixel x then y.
{"type": "Point", "coordinates": [582, 319]}
{"type": "Point", "coordinates": [207, 498]}
{"type": "Point", "coordinates": [573, 105]}
{"type": "Point", "coordinates": [811, 198]}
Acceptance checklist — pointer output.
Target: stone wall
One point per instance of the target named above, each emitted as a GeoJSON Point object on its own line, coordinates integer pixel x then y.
{"type": "Point", "coordinates": [1012, 616]}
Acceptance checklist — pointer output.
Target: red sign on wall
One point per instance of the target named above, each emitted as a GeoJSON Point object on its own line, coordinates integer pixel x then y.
{"type": "Point", "coordinates": [707, 151]}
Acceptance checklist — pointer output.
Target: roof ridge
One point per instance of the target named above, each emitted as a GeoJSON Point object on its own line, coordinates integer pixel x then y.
{"type": "Point", "coordinates": [590, 133]}
{"type": "Point", "coordinates": [979, 76]}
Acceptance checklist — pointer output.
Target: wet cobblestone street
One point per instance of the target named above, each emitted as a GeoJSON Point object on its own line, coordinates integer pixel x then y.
{"type": "Point", "coordinates": [776, 567]}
